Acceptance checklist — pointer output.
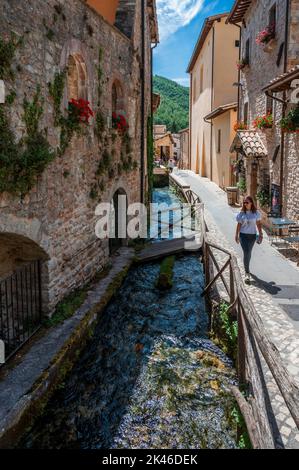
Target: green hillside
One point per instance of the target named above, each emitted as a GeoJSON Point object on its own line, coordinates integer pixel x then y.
{"type": "Point", "coordinates": [174, 107]}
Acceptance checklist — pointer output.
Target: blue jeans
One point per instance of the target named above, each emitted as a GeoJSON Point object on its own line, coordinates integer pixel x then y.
{"type": "Point", "coordinates": [247, 243]}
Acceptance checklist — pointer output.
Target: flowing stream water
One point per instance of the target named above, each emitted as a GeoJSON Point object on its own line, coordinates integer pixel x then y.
{"type": "Point", "coordinates": [150, 377]}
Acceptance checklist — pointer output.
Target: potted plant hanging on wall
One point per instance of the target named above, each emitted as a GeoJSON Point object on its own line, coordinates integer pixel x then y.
{"type": "Point", "coordinates": [240, 126]}
{"type": "Point", "coordinates": [119, 123]}
{"type": "Point", "coordinates": [266, 38]}
{"type": "Point", "coordinates": [290, 124]}
{"type": "Point", "coordinates": [263, 122]}
{"type": "Point", "coordinates": [242, 64]}
{"type": "Point", "coordinates": [79, 111]}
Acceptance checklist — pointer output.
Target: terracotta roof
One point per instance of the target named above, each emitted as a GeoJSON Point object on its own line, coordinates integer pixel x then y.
{"type": "Point", "coordinates": [238, 11]}
{"type": "Point", "coordinates": [283, 82]}
{"type": "Point", "coordinates": [207, 26]}
{"type": "Point", "coordinates": [221, 110]}
{"type": "Point", "coordinates": [250, 142]}
{"type": "Point", "coordinates": [168, 134]}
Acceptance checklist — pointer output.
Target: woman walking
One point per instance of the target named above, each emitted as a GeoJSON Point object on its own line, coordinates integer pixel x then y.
{"type": "Point", "coordinates": [248, 220]}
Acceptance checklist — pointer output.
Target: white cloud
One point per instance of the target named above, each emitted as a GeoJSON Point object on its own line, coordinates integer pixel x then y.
{"type": "Point", "coordinates": [174, 14]}
{"type": "Point", "coordinates": [182, 81]}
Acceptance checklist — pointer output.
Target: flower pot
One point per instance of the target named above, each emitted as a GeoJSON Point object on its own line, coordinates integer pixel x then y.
{"type": "Point", "coordinates": [269, 46]}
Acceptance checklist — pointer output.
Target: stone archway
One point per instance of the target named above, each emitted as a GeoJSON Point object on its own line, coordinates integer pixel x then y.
{"type": "Point", "coordinates": [77, 78]}
{"type": "Point", "coordinates": [17, 250]}
{"type": "Point", "coordinates": [75, 58]}
{"type": "Point", "coordinates": [24, 285]}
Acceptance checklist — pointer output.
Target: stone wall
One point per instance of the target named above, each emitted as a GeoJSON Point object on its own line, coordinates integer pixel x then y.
{"type": "Point", "coordinates": [264, 67]}
{"type": "Point", "coordinates": [58, 214]}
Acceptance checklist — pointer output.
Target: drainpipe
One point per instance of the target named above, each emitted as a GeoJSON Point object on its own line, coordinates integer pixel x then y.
{"type": "Point", "coordinates": [284, 108]}
{"type": "Point", "coordinates": [239, 72]}
{"type": "Point", "coordinates": [152, 90]}
{"type": "Point", "coordinates": [142, 76]}
{"type": "Point", "coordinates": [190, 121]}
{"type": "Point", "coordinates": [212, 103]}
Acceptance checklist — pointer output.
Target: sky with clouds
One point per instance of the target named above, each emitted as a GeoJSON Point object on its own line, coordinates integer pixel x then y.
{"type": "Point", "coordinates": [180, 23]}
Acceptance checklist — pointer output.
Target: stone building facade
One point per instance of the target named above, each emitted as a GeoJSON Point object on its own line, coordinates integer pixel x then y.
{"type": "Point", "coordinates": [177, 146]}
{"type": "Point", "coordinates": [272, 179]}
{"type": "Point", "coordinates": [73, 49]}
{"type": "Point", "coordinates": [184, 162]}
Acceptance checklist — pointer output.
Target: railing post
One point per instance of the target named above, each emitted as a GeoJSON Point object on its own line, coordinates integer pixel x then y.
{"type": "Point", "coordinates": [241, 346]}
{"type": "Point", "coordinates": [232, 289]}
{"type": "Point", "coordinates": [207, 263]}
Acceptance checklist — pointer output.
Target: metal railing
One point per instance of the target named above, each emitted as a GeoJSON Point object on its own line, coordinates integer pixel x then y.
{"type": "Point", "coordinates": [256, 353]}
{"type": "Point", "coordinates": [20, 306]}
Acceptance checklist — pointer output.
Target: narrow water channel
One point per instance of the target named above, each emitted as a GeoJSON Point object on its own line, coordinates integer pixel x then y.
{"type": "Point", "coordinates": [149, 378]}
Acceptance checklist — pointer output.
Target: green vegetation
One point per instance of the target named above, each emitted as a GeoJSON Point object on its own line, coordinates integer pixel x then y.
{"type": "Point", "coordinates": [150, 158]}
{"type": "Point", "coordinates": [7, 53]}
{"type": "Point", "coordinates": [224, 330]}
{"type": "Point", "coordinates": [22, 162]}
{"type": "Point", "coordinates": [174, 107]}
{"type": "Point", "coordinates": [236, 420]}
{"type": "Point", "coordinates": [165, 279]}
{"type": "Point", "coordinates": [242, 185]}
{"type": "Point", "coordinates": [263, 196]}
{"type": "Point", "coordinates": [70, 124]}
{"type": "Point", "coordinates": [100, 120]}
{"type": "Point", "coordinates": [56, 92]}
{"type": "Point", "coordinates": [67, 308]}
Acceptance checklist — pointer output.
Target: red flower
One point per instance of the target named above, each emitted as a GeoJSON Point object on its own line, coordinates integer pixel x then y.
{"type": "Point", "coordinates": [119, 122]}
{"type": "Point", "coordinates": [82, 109]}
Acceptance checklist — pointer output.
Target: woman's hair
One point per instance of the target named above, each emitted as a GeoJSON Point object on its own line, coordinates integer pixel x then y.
{"type": "Point", "coordinates": [253, 206]}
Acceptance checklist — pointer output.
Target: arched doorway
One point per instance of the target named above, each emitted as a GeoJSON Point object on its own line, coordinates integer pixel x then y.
{"type": "Point", "coordinates": [117, 98]}
{"type": "Point", "coordinates": [23, 278]}
{"type": "Point", "coordinates": [118, 220]}
{"type": "Point", "coordinates": [77, 79]}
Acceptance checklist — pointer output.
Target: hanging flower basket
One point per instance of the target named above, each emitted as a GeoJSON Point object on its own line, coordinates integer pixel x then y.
{"type": "Point", "coordinates": [119, 123]}
{"type": "Point", "coordinates": [290, 124]}
{"type": "Point", "coordinates": [240, 126]}
{"type": "Point", "coordinates": [266, 38]}
{"type": "Point", "coordinates": [242, 64]}
{"type": "Point", "coordinates": [270, 46]}
{"type": "Point", "coordinates": [263, 122]}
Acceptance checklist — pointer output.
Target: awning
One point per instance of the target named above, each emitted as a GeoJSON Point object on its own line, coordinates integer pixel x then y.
{"type": "Point", "coordinates": [283, 82]}
{"type": "Point", "coordinates": [238, 11]}
{"type": "Point", "coordinates": [250, 143]}
{"type": "Point", "coordinates": [221, 110]}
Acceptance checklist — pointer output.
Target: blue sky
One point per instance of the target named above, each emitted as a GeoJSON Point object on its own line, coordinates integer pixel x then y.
{"type": "Point", "coordinates": [180, 23]}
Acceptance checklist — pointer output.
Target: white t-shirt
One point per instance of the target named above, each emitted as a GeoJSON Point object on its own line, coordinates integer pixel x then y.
{"type": "Point", "coordinates": [248, 221]}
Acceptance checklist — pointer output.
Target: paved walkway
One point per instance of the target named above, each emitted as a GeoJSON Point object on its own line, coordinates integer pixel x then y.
{"type": "Point", "coordinates": [276, 284]}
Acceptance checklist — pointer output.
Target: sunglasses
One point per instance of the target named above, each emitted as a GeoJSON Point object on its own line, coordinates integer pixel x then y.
{"type": "Point", "coordinates": [247, 202]}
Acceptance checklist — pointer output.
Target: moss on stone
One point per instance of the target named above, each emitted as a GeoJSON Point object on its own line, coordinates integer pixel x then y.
{"type": "Point", "coordinates": [165, 279]}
